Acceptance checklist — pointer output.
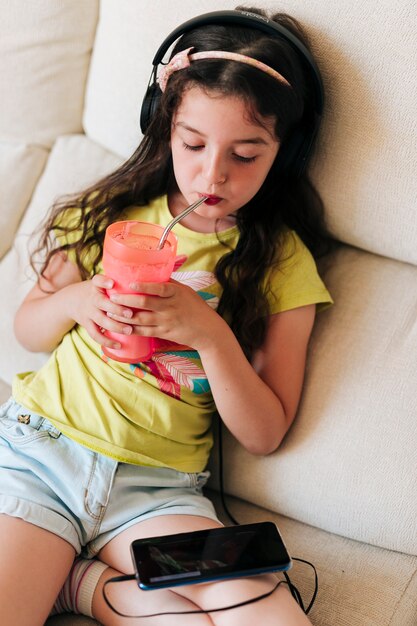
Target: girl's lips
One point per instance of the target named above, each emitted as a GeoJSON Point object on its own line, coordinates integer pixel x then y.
{"type": "Point", "coordinates": [213, 200]}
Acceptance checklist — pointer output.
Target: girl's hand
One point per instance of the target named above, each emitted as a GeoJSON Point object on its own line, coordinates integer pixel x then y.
{"type": "Point", "coordinates": [92, 308]}
{"type": "Point", "coordinates": [170, 311]}
{"type": "Point", "coordinates": [59, 300]}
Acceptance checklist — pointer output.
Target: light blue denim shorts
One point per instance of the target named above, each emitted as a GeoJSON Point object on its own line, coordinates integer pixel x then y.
{"type": "Point", "coordinates": [83, 496]}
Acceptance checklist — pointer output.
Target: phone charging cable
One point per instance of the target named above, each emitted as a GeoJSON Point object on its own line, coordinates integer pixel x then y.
{"type": "Point", "coordinates": [293, 590]}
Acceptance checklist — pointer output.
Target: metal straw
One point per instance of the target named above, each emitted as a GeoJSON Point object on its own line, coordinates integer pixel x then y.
{"type": "Point", "coordinates": [179, 217]}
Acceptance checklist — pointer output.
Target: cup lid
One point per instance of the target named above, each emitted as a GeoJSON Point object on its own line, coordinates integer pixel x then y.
{"type": "Point", "coordinates": [118, 242]}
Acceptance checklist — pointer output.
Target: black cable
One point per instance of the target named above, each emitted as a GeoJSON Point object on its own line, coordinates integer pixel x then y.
{"type": "Point", "coordinates": [293, 589]}
{"type": "Point", "coordinates": [221, 483]}
{"type": "Point", "coordinates": [119, 579]}
{"type": "Point", "coordinates": [294, 592]}
{"type": "Point", "coordinates": [316, 583]}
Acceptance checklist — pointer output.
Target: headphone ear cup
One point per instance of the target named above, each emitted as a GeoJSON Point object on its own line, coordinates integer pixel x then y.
{"type": "Point", "coordinates": [149, 105]}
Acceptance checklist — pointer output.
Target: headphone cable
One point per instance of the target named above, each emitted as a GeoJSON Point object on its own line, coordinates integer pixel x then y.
{"type": "Point", "coordinates": [293, 589]}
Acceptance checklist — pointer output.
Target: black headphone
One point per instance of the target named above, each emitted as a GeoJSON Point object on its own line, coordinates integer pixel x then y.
{"type": "Point", "coordinates": [298, 147]}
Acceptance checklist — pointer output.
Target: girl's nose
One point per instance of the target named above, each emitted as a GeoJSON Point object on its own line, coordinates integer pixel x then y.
{"type": "Point", "coordinates": [214, 170]}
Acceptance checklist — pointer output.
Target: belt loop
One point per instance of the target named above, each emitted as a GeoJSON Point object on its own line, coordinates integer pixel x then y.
{"type": "Point", "coordinates": [54, 433]}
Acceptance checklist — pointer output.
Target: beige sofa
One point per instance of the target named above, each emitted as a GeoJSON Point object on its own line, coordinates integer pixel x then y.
{"type": "Point", "coordinates": [343, 485]}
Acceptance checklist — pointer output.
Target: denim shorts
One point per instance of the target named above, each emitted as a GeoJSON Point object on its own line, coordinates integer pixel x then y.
{"type": "Point", "coordinates": [84, 497]}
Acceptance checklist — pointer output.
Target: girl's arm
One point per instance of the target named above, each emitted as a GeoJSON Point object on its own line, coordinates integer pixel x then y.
{"type": "Point", "coordinates": [42, 319]}
{"type": "Point", "coordinates": [256, 402]}
{"type": "Point", "coordinates": [59, 300]}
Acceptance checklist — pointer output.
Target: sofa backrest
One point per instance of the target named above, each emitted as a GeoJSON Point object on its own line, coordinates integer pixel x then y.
{"type": "Point", "coordinates": [45, 50]}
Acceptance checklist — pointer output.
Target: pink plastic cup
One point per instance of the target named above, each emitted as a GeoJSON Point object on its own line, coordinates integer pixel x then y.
{"type": "Point", "coordinates": [130, 255]}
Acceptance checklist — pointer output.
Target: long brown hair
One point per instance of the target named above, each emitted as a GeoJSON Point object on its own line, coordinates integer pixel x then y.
{"type": "Point", "coordinates": [284, 200]}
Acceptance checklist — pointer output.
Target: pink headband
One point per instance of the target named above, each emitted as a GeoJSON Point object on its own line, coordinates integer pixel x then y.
{"type": "Point", "coordinates": [183, 59]}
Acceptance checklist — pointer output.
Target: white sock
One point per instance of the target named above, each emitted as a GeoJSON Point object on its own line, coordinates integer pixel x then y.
{"type": "Point", "coordinates": [76, 595]}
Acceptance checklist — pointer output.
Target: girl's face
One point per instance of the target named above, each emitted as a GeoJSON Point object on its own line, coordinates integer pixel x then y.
{"type": "Point", "coordinates": [220, 152]}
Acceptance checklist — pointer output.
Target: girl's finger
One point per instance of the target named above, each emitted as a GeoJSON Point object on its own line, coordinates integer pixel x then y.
{"type": "Point", "coordinates": [102, 282]}
{"type": "Point", "coordinates": [140, 302]}
{"type": "Point", "coordinates": [103, 303]}
{"type": "Point", "coordinates": [114, 311]}
{"type": "Point", "coordinates": [102, 320]}
{"type": "Point", "coordinates": [145, 318]}
{"type": "Point", "coordinates": [97, 333]}
{"type": "Point", "coordinates": [163, 290]}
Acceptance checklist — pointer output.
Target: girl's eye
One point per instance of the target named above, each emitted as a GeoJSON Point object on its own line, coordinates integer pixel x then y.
{"type": "Point", "coordinates": [237, 157]}
{"type": "Point", "coordinates": [193, 148]}
{"type": "Point", "coordinates": [243, 159]}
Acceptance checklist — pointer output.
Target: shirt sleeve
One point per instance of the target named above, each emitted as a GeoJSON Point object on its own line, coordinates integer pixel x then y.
{"type": "Point", "coordinates": [296, 281]}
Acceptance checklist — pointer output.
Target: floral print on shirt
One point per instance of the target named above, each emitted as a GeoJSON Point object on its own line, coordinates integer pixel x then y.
{"type": "Point", "coordinates": [174, 366]}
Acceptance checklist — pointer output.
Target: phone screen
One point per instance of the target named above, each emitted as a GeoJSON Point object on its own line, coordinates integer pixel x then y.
{"type": "Point", "coordinates": [205, 555]}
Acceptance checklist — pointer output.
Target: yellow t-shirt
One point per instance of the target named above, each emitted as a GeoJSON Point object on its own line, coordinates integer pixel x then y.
{"type": "Point", "coordinates": [157, 412]}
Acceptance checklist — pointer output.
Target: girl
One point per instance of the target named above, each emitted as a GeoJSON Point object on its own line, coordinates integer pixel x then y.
{"type": "Point", "coordinates": [97, 453]}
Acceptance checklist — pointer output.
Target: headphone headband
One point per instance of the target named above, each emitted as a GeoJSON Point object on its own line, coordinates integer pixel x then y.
{"type": "Point", "coordinates": [300, 145]}
{"type": "Point", "coordinates": [251, 20]}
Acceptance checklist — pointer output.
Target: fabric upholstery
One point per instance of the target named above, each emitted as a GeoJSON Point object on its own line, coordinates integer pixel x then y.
{"type": "Point", "coordinates": [368, 586]}
{"type": "Point", "coordinates": [74, 163]}
{"type": "Point", "coordinates": [20, 167]}
{"type": "Point", "coordinates": [45, 52]}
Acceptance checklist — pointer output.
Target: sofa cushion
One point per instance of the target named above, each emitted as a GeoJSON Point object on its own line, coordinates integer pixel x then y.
{"type": "Point", "coordinates": [120, 68]}
{"type": "Point", "coordinates": [359, 584]}
{"type": "Point", "coordinates": [44, 57]}
{"type": "Point", "coordinates": [75, 162]}
{"type": "Point", "coordinates": [348, 464]}
{"type": "Point", "coordinates": [5, 391]}
{"type": "Point", "coordinates": [365, 162]}
{"type": "Point", "coordinates": [21, 165]}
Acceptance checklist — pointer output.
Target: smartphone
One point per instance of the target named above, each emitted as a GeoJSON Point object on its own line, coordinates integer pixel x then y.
{"type": "Point", "coordinates": [207, 555]}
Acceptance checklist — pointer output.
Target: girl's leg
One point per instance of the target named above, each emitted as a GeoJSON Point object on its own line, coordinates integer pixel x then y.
{"type": "Point", "coordinates": [127, 598]}
{"type": "Point", "coordinates": [279, 609]}
{"type": "Point", "coordinates": [34, 565]}
{"type": "Point", "coordinates": [76, 595]}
